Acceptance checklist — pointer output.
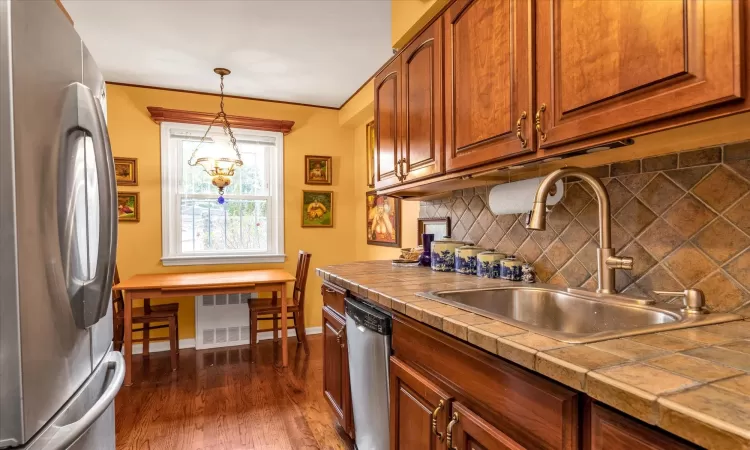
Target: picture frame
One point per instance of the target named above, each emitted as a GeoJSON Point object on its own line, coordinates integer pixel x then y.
{"type": "Point", "coordinates": [317, 209]}
{"type": "Point", "coordinates": [439, 226]}
{"type": "Point", "coordinates": [370, 134]}
{"type": "Point", "coordinates": [318, 169]}
{"type": "Point", "coordinates": [126, 171]}
{"type": "Point", "coordinates": [128, 207]}
{"type": "Point", "coordinates": [383, 217]}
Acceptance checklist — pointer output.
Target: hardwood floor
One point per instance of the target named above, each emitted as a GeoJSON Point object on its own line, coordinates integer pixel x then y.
{"type": "Point", "coordinates": [219, 399]}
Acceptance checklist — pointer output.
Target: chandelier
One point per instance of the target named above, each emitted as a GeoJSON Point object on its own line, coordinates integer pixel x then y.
{"type": "Point", "coordinates": [218, 160]}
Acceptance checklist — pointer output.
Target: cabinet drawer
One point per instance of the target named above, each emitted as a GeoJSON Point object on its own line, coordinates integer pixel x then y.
{"type": "Point", "coordinates": [333, 297]}
{"type": "Point", "coordinates": [529, 409]}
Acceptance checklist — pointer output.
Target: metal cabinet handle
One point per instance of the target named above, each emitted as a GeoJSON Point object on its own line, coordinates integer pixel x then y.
{"type": "Point", "coordinates": [538, 122]}
{"type": "Point", "coordinates": [340, 337]}
{"type": "Point", "coordinates": [330, 291]}
{"type": "Point", "coordinates": [449, 432]}
{"type": "Point", "coordinates": [518, 130]}
{"type": "Point", "coordinates": [434, 420]}
{"type": "Point", "coordinates": [399, 168]}
{"type": "Point", "coordinates": [404, 172]}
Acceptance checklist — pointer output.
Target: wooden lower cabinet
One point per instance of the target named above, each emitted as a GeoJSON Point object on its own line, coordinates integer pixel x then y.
{"type": "Point", "coordinates": [418, 410]}
{"type": "Point", "coordinates": [448, 395]}
{"type": "Point", "coordinates": [611, 430]}
{"type": "Point", "coordinates": [468, 431]}
{"type": "Point", "coordinates": [336, 387]}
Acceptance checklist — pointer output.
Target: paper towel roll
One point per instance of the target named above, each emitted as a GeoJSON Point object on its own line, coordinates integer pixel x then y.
{"type": "Point", "coordinates": [518, 197]}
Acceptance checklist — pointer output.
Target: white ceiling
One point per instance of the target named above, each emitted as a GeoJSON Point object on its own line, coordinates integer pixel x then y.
{"type": "Point", "coordinates": [307, 51]}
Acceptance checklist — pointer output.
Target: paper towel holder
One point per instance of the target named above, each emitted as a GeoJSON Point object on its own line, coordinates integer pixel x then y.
{"type": "Point", "coordinates": [515, 197]}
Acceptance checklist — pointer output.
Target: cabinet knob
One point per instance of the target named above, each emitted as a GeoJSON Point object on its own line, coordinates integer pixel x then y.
{"type": "Point", "coordinates": [449, 432]}
{"type": "Point", "coordinates": [519, 135]}
{"type": "Point", "coordinates": [538, 122]}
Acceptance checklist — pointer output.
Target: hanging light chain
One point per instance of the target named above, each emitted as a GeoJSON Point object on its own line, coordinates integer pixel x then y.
{"type": "Point", "coordinates": [226, 128]}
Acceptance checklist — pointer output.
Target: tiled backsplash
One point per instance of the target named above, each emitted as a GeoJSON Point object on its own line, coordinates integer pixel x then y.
{"type": "Point", "coordinates": [683, 217]}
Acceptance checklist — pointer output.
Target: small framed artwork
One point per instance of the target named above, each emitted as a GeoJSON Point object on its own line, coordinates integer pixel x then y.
{"type": "Point", "coordinates": [439, 226]}
{"type": "Point", "coordinates": [317, 209]}
{"type": "Point", "coordinates": [383, 220]}
{"type": "Point", "coordinates": [318, 169]}
{"type": "Point", "coordinates": [126, 171]}
{"type": "Point", "coordinates": [370, 131]}
{"type": "Point", "coordinates": [128, 207]}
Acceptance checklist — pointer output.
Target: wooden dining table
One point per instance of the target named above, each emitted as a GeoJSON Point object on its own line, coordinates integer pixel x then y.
{"type": "Point", "coordinates": [166, 285]}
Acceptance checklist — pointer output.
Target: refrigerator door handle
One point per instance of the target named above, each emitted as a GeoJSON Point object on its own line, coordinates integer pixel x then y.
{"type": "Point", "coordinates": [88, 266]}
{"type": "Point", "coordinates": [65, 436]}
{"type": "Point", "coordinates": [105, 169]}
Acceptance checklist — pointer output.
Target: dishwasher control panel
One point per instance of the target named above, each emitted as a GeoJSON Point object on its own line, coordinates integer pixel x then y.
{"type": "Point", "coordinates": [368, 316]}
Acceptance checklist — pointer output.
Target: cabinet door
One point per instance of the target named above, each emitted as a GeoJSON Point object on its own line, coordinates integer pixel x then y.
{"type": "Point", "coordinates": [487, 81]}
{"type": "Point", "coordinates": [468, 431]}
{"type": "Point", "coordinates": [418, 410]}
{"type": "Point", "coordinates": [613, 431]}
{"type": "Point", "coordinates": [422, 104]}
{"type": "Point", "coordinates": [387, 110]}
{"type": "Point", "coordinates": [604, 66]}
{"type": "Point", "coordinates": [336, 368]}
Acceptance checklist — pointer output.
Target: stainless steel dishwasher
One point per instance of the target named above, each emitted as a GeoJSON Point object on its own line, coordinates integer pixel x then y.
{"type": "Point", "coordinates": [368, 335]}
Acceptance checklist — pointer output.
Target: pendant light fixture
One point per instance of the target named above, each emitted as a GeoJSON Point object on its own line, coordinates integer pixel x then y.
{"type": "Point", "coordinates": [218, 159]}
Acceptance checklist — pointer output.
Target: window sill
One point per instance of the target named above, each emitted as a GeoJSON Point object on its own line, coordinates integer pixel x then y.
{"type": "Point", "coordinates": [223, 259]}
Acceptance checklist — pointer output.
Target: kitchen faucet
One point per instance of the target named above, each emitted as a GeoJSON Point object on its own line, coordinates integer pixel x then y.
{"type": "Point", "coordinates": [607, 262]}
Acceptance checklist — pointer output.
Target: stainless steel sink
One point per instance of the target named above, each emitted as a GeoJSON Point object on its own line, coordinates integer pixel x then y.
{"type": "Point", "coordinates": [572, 315]}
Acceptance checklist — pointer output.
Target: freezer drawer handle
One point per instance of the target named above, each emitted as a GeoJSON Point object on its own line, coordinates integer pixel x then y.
{"type": "Point", "coordinates": [68, 434]}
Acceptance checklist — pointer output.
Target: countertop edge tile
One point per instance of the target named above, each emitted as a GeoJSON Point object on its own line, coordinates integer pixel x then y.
{"type": "Point", "coordinates": [700, 428]}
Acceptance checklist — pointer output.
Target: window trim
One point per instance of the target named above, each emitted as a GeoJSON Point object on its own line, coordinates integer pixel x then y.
{"type": "Point", "coordinates": [170, 159]}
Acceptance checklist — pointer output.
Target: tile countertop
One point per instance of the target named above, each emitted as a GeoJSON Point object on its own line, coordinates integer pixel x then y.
{"type": "Point", "coordinates": [693, 382]}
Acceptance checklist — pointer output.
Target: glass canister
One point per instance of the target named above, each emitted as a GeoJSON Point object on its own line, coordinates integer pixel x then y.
{"type": "Point", "coordinates": [488, 264]}
{"type": "Point", "coordinates": [510, 269]}
{"type": "Point", "coordinates": [443, 257]}
{"type": "Point", "coordinates": [466, 259]}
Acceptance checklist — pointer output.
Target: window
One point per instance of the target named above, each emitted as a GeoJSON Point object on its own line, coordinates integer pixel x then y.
{"type": "Point", "coordinates": [248, 227]}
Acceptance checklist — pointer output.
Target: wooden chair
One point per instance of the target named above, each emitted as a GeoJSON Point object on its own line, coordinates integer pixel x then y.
{"type": "Point", "coordinates": [295, 306]}
{"type": "Point", "coordinates": [149, 318]}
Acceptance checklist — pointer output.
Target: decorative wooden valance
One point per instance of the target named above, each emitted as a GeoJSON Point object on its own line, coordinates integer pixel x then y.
{"type": "Point", "coordinates": [160, 115]}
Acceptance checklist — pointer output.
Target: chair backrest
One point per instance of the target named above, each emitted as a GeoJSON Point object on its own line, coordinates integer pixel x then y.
{"type": "Point", "coordinates": [300, 279]}
{"type": "Point", "coordinates": [118, 303]}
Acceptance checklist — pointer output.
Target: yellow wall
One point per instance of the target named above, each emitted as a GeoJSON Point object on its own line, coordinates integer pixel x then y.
{"type": "Point", "coordinates": [409, 210]}
{"type": "Point", "coordinates": [408, 16]}
{"type": "Point", "coordinates": [316, 132]}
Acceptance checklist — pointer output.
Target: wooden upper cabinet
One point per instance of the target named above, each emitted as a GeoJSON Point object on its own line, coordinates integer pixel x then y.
{"type": "Point", "coordinates": [471, 432]}
{"type": "Point", "coordinates": [487, 81]}
{"type": "Point", "coordinates": [606, 65]}
{"type": "Point", "coordinates": [387, 127]}
{"type": "Point", "coordinates": [419, 410]}
{"type": "Point", "coordinates": [422, 100]}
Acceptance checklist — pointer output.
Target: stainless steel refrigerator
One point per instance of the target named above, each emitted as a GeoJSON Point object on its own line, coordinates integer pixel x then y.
{"type": "Point", "coordinates": [58, 233]}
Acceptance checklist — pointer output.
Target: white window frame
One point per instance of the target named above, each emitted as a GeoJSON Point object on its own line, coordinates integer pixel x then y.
{"type": "Point", "coordinates": [172, 254]}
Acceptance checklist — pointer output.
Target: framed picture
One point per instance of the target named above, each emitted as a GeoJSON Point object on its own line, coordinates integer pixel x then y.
{"type": "Point", "coordinates": [439, 226]}
{"type": "Point", "coordinates": [128, 207]}
{"type": "Point", "coordinates": [317, 209]}
{"type": "Point", "coordinates": [318, 169]}
{"type": "Point", "coordinates": [370, 131]}
{"type": "Point", "coordinates": [383, 220]}
{"type": "Point", "coordinates": [126, 171]}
